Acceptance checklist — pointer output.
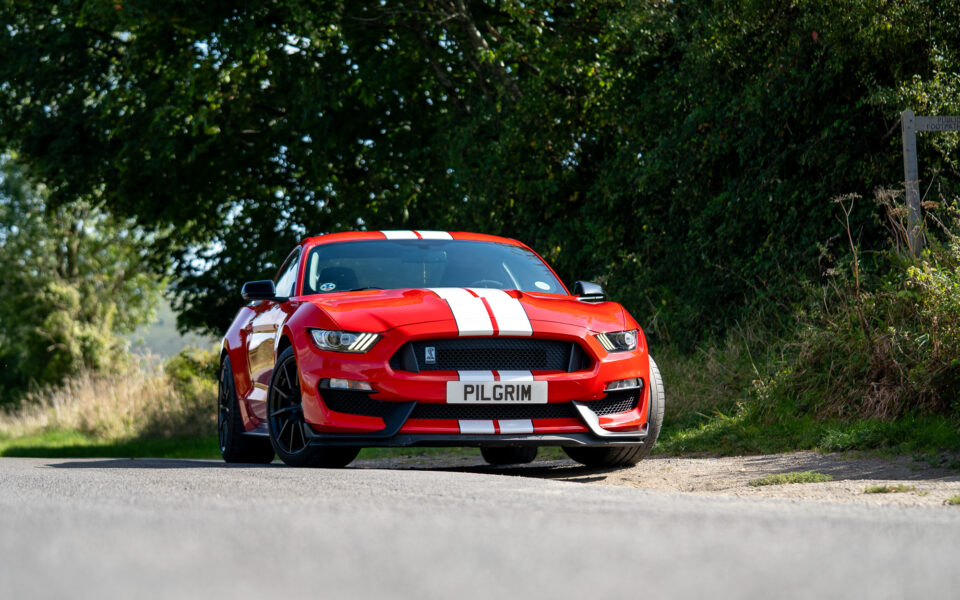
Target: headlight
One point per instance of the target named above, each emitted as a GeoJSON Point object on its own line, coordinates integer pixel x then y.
{"type": "Point", "coordinates": [620, 341]}
{"type": "Point", "coordinates": [343, 341]}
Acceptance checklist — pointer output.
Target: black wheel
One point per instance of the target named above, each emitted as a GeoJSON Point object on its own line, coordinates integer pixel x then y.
{"type": "Point", "coordinates": [627, 456]}
{"type": "Point", "coordinates": [508, 455]}
{"type": "Point", "coordinates": [235, 447]}
{"type": "Point", "coordinates": [287, 426]}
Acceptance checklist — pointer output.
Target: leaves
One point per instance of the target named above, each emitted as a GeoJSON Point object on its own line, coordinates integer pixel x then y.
{"type": "Point", "coordinates": [74, 279]}
{"type": "Point", "coordinates": [684, 153]}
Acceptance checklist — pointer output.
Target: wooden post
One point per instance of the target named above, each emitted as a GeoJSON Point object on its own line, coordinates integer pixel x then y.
{"type": "Point", "coordinates": [911, 124]}
{"type": "Point", "coordinates": [911, 182]}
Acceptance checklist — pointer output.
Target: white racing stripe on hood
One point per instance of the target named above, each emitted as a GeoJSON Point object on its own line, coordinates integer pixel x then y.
{"type": "Point", "coordinates": [507, 310]}
{"type": "Point", "coordinates": [468, 311]}
{"type": "Point", "coordinates": [399, 235]}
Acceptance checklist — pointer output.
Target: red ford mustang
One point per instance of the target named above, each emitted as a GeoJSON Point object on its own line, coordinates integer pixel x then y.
{"type": "Point", "coordinates": [427, 338]}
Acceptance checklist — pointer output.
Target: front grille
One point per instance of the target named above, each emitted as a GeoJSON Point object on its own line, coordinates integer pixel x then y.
{"type": "Point", "coordinates": [488, 354]}
{"type": "Point", "coordinates": [614, 403]}
{"type": "Point", "coordinates": [355, 403]}
{"type": "Point", "coordinates": [488, 412]}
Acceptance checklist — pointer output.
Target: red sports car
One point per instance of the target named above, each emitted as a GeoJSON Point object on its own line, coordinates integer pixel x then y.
{"type": "Point", "coordinates": [428, 338]}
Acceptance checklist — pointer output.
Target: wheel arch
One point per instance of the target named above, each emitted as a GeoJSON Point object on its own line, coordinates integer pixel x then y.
{"type": "Point", "coordinates": [283, 342]}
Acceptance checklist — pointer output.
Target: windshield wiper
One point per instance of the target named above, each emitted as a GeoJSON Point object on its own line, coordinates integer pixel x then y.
{"type": "Point", "coordinates": [360, 289]}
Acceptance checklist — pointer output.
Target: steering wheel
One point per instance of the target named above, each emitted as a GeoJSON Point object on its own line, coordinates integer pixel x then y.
{"type": "Point", "coordinates": [482, 283]}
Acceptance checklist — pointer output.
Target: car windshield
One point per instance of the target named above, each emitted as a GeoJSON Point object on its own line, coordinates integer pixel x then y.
{"type": "Point", "coordinates": [394, 264]}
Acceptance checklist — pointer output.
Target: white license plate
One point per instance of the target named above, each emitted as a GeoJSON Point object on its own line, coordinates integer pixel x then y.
{"type": "Point", "coordinates": [496, 392]}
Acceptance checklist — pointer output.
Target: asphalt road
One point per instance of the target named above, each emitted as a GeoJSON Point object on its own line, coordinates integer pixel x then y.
{"type": "Point", "coordinates": [199, 529]}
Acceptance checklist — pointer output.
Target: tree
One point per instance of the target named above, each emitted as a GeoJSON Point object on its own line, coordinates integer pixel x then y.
{"type": "Point", "coordinates": [686, 153]}
{"type": "Point", "coordinates": [74, 279]}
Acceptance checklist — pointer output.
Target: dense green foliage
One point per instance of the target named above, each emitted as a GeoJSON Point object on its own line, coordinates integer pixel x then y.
{"type": "Point", "coordinates": [879, 343]}
{"type": "Point", "coordinates": [684, 153]}
{"type": "Point", "coordinates": [193, 373]}
{"type": "Point", "coordinates": [871, 362]}
{"type": "Point", "coordinates": [73, 281]}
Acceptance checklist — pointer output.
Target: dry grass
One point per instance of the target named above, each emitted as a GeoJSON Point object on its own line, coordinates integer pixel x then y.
{"type": "Point", "coordinates": [713, 378]}
{"type": "Point", "coordinates": [143, 402]}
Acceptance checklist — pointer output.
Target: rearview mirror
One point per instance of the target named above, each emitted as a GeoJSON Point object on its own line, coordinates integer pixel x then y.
{"type": "Point", "coordinates": [258, 290]}
{"type": "Point", "coordinates": [588, 292]}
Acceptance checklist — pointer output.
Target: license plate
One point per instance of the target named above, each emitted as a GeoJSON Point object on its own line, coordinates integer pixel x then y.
{"type": "Point", "coordinates": [496, 392]}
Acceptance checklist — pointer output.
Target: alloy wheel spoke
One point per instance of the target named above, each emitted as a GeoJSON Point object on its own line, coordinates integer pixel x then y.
{"type": "Point", "coordinates": [303, 433]}
{"type": "Point", "coordinates": [284, 410]}
{"type": "Point", "coordinates": [292, 432]}
{"type": "Point", "coordinates": [282, 429]}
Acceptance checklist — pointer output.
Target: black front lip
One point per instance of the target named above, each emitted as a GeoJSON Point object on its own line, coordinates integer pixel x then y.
{"type": "Point", "coordinates": [389, 436]}
{"type": "Point", "coordinates": [439, 440]}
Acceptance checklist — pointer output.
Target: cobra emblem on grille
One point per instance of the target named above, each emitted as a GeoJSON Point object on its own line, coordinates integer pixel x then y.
{"type": "Point", "coordinates": [430, 355]}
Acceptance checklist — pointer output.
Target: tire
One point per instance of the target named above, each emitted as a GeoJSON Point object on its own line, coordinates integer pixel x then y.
{"type": "Point", "coordinates": [627, 456]}
{"type": "Point", "coordinates": [286, 423]}
{"type": "Point", "coordinates": [235, 447]}
{"type": "Point", "coordinates": [508, 455]}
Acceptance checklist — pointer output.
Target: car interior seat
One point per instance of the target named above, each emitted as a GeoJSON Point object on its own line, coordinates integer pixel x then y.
{"type": "Point", "coordinates": [344, 278]}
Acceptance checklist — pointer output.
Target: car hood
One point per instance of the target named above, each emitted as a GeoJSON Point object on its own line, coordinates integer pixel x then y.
{"type": "Point", "coordinates": [380, 310]}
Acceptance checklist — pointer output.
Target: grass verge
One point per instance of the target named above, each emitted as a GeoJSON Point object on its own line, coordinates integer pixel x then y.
{"type": "Point", "coordinates": [747, 430]}
{"type": "Point", "coordinates": [75, 444]}
{"type": "Point", "coordinates": [784, 478]}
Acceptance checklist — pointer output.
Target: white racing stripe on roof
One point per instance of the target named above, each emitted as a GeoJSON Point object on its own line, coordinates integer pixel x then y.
{"type": "Point", "coordinates": [471, 426]}
{"type": "Point", "coordinates": [399, 235]}
{"type": "Point", "coordinates": [515, 426]}
{"type": "Point", "coordinates": [507, 310]}
{"type": "Point", "coordinates": [468, 311]}
{"type": "Point", "coordinates": [515, 375]}
{"type": "Point", "coordinates": [476, 375]}
{"type": "Point", "coordinates": [435, 235]}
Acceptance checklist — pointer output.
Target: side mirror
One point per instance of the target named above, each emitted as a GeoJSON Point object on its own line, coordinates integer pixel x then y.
{"type": "Point", "coordinates": [258, 290]}
{"type": "Point", "coordinates": [588, 292]}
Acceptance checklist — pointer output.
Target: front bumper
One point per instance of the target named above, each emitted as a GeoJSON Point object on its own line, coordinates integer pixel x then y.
{"type": "Point", "coordinates": [405, 390]}
{"type": "Point", "coordinates": [391, 435]}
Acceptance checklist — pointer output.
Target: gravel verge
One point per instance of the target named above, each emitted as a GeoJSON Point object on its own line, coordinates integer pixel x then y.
{"type": "Point", "coordinates": [731, 476]}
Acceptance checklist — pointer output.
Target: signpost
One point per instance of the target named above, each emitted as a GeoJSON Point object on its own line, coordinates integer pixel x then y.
{"type": "Point", "coordinates": [911, 124]}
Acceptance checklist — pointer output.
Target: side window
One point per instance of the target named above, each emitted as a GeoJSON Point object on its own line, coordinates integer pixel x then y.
{"type": "Point", "coordinates": [287, 280]}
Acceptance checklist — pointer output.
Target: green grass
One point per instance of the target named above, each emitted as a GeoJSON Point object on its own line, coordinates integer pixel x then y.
{"type": "Point", "coordinates": [799, 477]}
{"type": "Point", "coordinates": [745, 431]}
{"type": "Point", "coordinates": [953, 500]}
{"type": "Point", "coordinates": [72, 444]}
{"type": "Point", "coordinates": [889, 489]}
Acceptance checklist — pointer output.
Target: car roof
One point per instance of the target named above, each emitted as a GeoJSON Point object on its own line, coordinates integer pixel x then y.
{"type": "Point", "coordinates": [352, 236]}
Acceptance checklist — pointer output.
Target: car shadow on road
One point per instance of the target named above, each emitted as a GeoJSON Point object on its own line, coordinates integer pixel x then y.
{"type": "Point", "coordinates": [566, 470]}
{"type": "Point", "coordinates": [154, 463]}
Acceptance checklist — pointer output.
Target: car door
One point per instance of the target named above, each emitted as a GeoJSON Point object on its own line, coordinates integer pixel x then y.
{"type": "Point", "coordinates": [262, 332]}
